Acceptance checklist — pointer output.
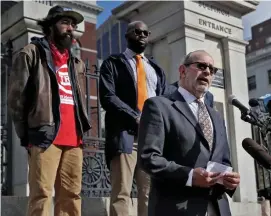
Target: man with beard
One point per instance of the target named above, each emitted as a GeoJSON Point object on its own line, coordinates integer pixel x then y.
{"type": "Point", "coordinates": [178, 136]}
{"type": "Point", "coordinates": [126, 81]}
{"type": "Point", "coordinates": [46, 101]}
{"type": "Point", "coordinates": [208, 98]}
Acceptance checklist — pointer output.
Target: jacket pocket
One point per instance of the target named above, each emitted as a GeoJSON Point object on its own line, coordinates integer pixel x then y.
{"type": "Point", "coordinates": [41, 136]}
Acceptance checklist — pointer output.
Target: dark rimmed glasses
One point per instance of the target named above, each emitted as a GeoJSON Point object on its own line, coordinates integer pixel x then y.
{"type": "Point", "coordinates": [203, 66]}
{"type": "Point", "coordinates": [139, 32]}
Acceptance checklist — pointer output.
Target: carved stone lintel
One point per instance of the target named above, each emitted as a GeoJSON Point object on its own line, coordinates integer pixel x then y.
{"type": "Point", "coordinates": [234, 44]}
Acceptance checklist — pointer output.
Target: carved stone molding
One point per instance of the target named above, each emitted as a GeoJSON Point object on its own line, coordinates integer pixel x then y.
{"type": "Point", "coordinates": [234, 44]}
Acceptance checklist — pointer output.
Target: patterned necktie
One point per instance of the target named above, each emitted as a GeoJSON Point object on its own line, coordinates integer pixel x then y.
{"type": "Point", "coordinates": [205, 123]}
{"type": "Point", "coordinates": [142, 93]}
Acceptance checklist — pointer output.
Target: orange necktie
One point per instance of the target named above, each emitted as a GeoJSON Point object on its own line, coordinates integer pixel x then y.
{"type": "Point", "coordinates": [142, 93]}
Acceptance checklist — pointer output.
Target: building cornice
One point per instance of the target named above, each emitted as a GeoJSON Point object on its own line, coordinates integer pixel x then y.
{"type": "Point", "coordinates": [261, 59]}
{"type": "Point", "coordinates": [127, 9]}
{"type": "Point", "coordinates": [242, 7]}
{"type": "Point", "coordinates": [254, 2]}
{"type": "Point", "coordinates": [85, 5]}
{"type": "Point", "coordinates": [125, 5]}
{"type": "Point", "coordinates": [258, 55]}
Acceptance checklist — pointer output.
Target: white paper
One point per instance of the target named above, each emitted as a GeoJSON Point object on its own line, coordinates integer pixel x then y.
{"type": "Point", "coordinates": [217, 167]}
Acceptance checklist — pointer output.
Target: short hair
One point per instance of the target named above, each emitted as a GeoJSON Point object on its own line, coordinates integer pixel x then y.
{"type": "Point", "coordinates": [45, 24]}
{"type": "Point", "coordinates": [132, 25]}
{"type": "Point", "coordinates": [187, 58]}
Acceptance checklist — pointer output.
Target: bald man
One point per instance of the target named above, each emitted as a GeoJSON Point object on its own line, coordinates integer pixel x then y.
{"type": "Point", "coordinates": [178, 136]}
{"type": "Point", "coordinates": [126, 81]}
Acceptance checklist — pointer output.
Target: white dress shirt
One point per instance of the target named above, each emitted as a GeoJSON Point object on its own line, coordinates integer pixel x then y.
{"type": "Point", "coordinates": [191, 101]}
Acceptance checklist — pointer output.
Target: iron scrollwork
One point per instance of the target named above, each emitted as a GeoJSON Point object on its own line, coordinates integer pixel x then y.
{"type": "Point", "coordinates": [6, 138]}
{"type": "Point", "coordinates": [95, 179]}
{"type": "Point", "coordinates": [95, 176]}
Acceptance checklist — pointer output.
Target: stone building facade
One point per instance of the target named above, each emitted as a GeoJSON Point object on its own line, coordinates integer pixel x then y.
{"type": "Point", "coordinates": [258, 60]}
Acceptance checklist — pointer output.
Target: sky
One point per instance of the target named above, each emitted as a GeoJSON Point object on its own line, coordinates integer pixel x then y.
{"type": "Point", "coordinates": [261, 14]}
{"type": "Point", "coordinates": [107, 6]}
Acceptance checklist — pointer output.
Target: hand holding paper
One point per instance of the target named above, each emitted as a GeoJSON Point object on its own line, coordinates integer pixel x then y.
{"type": "Point", "coordinates": [217, 167]}
{"type": "Point", "coordinates": [231, 180]}
{"type": "Point", "coordinates": [202, 178]}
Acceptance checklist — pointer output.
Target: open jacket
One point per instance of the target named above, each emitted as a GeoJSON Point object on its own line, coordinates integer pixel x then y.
{"type": "Point", "coordinates": [118, 96]}
{"type": "Point", "coordinates": [33, 98]}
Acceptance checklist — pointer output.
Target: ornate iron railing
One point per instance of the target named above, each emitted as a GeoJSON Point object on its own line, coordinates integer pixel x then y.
{"type": "Point", "coordinates": [96, 176]}
{"type": "Point", "coordinates": [263, 176]}
{"type": "Point", "coordinates": [6, 138]}
{"type": "Point", "coordinates": [95, 179]}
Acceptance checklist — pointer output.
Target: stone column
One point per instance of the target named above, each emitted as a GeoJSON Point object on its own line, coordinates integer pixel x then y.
{"type": "Point", "coordinates": [245, 198]}
{"type": "Point", "coordinates": [176, 43]}
{"type": "Point", "coordinates": [181, 41]}
{"type": "Point", "coordinates": [19, 28]}
{"type": "Point", "coordinates": [194, 38]}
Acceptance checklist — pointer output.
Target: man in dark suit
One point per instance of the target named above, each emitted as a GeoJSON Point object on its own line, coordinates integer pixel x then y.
{"type": "Point", "coordinates": [178, 136]}
{"type": "Point", "coordinates": [208, 97]}
{"type": "Point", "coordinates": [126, 81]}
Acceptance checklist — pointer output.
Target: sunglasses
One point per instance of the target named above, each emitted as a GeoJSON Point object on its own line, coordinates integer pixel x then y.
{"type": "Point", "coordinates": [139, 32]}
{"type": "Point", "coordinates": [203, 66]}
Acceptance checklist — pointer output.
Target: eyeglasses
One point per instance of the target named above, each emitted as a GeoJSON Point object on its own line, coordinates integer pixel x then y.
{"type": "Point", "coordinates": [203, 66]}
{"type": "Point", "coordinates": [69, 23]}
{"type": "Point", "coordinates": [139, 32]}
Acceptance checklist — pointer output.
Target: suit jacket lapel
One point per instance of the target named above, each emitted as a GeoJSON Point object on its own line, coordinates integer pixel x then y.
{"type": "Point", "coordinates": [207, 100]}
{"type": "Point", "coordinates": [129, 68]}
{"type": "Point", "coordinates": [184, 108]}
{"type": "Point", "coordinates": [215, 123]}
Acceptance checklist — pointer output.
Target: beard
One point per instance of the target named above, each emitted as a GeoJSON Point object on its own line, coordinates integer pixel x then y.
{"type": "Point", "coordinates": [202, 88]}
{"type": "Point", "coordinates": [62, 40]}
{"type": "Point", "coordinates": [136, 46]}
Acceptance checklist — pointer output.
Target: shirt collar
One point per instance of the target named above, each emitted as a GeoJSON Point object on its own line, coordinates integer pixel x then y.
{"type": "Point", "coordinates": [189, 98]}
{"type": "Point", "coordinates": [131, 54]}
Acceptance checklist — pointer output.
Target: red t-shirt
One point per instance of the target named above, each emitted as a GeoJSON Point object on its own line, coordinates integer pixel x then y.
{"type": "Point", "coordinates": [67, 134]}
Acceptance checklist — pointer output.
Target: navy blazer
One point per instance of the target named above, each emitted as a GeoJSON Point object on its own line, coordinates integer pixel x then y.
{"type": "Point", "coordinates": [209, 97]}
{"type": "Point", "coordinates": [118, 97]}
